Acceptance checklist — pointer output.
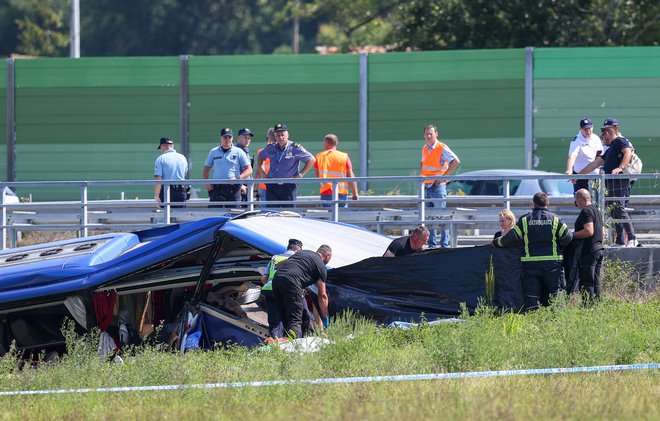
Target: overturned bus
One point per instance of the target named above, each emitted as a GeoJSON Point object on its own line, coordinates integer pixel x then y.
{"type": "Point", "coordinates": [201, 280]}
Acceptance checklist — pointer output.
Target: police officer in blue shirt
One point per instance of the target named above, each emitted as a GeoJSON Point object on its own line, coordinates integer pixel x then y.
{"type": "Point", "coordinates": [228, 162]}
{"type": "Point", "coordinates": [170, 165]}
{"type": "Point", "coordinates": [285, 159]}
{"type": "Point", "coordinates": [243, 141]}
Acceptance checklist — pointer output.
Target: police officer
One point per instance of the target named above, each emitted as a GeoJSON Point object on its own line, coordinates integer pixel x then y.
{"type": "Point", "coordinates": [170, 165]}
{"type": "Point", "coordinates": [300, 271]}
{"type": "Point", "coordinates": [582, 151]}
{"type": "Point", "coordinates": [243, 141]}
{"type": "Point", "coordinates": [543, 235]}
{"type": "Point", "coordinates": [227, 162]}
{"type": "Point", "coordinates": [274, 321]}
{"type": "Point", "coordinates": [285, 159]}
{"type": "Point", "coordinates": [614, 160]}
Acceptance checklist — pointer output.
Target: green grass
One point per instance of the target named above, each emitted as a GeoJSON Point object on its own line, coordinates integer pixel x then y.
{"type": "Point", "coordinates": [563, 335]}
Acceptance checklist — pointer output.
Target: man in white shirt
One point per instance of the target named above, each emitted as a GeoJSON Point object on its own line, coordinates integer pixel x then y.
{"type": "Point", "coordinates": [583, 150]}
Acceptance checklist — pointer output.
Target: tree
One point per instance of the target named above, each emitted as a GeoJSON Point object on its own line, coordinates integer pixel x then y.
{"type": "Point", "coordinates": [41, 29]}
{"type": "Point", "coordinates": [457, 24]}
{"type": "Point", "coordinates": [170, 27]}
{"type": "Point", "coordinates": [349, 24]}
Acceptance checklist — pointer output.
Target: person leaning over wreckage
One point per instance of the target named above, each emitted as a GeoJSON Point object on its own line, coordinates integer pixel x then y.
{"type": "Point", "coordinates": [300, 271]}
{"type": "Point", "coordinates": [543, 235]}
{"type": "Point", "coordinates": [409, 244]}
{"type": "Point", "coordinates": [274, 321]}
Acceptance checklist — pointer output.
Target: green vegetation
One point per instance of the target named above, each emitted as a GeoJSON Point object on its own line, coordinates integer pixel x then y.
{"type": "Point", "coordinates": [622, 329]}
{"type": "Point", "coordinates": [168, 27]}
{"type": "Point", "coordinates": [563, 335]}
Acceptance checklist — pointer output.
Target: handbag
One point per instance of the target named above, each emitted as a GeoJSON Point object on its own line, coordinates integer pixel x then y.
{"type": "Point", "coordinates": [634, 166]}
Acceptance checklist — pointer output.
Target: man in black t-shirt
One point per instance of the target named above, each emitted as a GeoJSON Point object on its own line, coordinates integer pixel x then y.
{"type": "Point", "coordinates": [589, 229]}
{"type": "Point", "coordinates": [403, 246]}
{"type": "Point", "coordinates": [297, 273]}
{"type": "Point", "coordinates": [615, 159]}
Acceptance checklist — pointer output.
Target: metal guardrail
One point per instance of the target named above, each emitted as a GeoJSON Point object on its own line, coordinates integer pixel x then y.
{"type": "Point", "coordinates": [374, 212]}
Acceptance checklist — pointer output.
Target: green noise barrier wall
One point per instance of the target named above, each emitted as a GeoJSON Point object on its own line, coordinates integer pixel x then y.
{"type": "Point", "coordinates": [572, 83]}
{"type": "Point", "coordinates": [101, 118]}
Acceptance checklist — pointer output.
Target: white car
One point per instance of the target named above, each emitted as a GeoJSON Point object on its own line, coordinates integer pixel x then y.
{"type": "Point", "coordinates": [525, 187]}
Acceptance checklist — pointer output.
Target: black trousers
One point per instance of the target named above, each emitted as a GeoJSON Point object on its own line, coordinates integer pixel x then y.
{"type": "Point", "coordinates": [620, 188]}
{"type": "Point", "coordinates": [178, 193]}
{"type": "Point", "coordinates": [285, 191]}
{"type": "Point", "coordinates": [580, 184]}
{"type": "Point", "coordinates": [225, 193]}
{"type": "Point", "coordinates": [590, 266]}
{"type": "Point", "coordinates": [571, 264]}
{"type": "Point", "coordinates": [275, 327]}
{"type": "Point", "coordinates": [540, 278]}
{"type": "Point", "coordinates": [292, 307]}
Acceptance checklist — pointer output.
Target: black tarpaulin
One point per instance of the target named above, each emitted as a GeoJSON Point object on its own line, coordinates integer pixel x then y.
{"type": "Point", "coordinates": [433, 284]}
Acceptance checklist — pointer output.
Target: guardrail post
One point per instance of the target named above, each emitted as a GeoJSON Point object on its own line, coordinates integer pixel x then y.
{"type": "Point", "coordinates": [4, 219]}
{"type": "Point", "coordinates": [335, 202]}
{"type": "Point", "coordinates": [505, 193]}
{"type": "Point", "coordinates": [601, 194]}
{"type": "Point", "coordinates": [166, 197]}
{"type": "Point", "coordinates": [250, 193]}
{"type": "Point", "coordinates": [602, 206]}
{"type": "Point", "coordinates": [84, 218]}
{"type": "Point", "coordinates": [421, 205]}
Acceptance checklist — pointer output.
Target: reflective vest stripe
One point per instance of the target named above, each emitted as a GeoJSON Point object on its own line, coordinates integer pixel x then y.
{"type": "Point", "coordinates": [273, 270]}
{"type": "Point", "coordinates": [555, 224]}
{"type": "Point", "coordinates": [328, 173]}
{"type": "Point", "coordinates": [555, 257]}
{"type": "Point", "coordinates": [541, 259]}
{"type": "Point", "coordinates": [525, 238]}
{"type": "Point", "coordinates": [431, 158]}
{"type": "Point", "coordinates": [517, 230]}
{"type": "Point", "coordinates": [332, 164]}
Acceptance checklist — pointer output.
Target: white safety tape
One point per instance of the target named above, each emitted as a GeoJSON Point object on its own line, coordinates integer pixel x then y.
{"type": "Point", "coordinates": [337, 380]}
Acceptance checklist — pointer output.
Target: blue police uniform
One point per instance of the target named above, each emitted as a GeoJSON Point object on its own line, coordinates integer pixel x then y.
{"type": "Point", "coordinates": [171, 165]}
{"type": "Point", "coordinates": [284, 163]}
{"type": "Point", "coordinates": [226, 164]}
{"type": "Point", "coordinates": [618, 188]}
{"type": "Point", "coordinates": [251, 158]}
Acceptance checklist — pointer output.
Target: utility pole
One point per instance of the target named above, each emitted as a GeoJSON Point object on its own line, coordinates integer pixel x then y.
{"type": "Point", "coordinates": [295, 36]}
{"type": "Point", "coordinates": [75, 29]}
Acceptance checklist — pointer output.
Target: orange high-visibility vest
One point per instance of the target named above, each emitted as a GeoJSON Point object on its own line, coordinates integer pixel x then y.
{"type": "Point", "coordinates": [266, 167]}
{"type": "Point", "coordinates": [332, 164]}
{"type": "Point", "coordinates": [431, 161]}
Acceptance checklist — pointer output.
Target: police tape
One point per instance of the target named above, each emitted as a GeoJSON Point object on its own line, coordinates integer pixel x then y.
{"type": "Point", "coordinates": [344, 380]}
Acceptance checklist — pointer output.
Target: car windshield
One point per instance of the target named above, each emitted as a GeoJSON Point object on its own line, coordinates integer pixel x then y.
{"type": "Point", "coordinates": [557, 187]}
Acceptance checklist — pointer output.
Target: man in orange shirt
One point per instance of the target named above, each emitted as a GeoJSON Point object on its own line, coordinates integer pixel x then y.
{"type": "Point", "coordinates": [332, 163]}
{"type": "Point", "coordinates": [437, 159]}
